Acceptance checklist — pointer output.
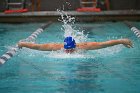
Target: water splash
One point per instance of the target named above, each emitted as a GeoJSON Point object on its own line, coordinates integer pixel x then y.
{"type": "Point", "coordinates": [78, 54]}
{"type": "Point", "coordinates": [69, 28]}
{"type": "Point", "coordinates": [109, 51]}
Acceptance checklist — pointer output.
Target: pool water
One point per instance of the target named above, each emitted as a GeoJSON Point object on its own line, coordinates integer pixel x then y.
{"type": "Point", "coordinates": [109, 70]}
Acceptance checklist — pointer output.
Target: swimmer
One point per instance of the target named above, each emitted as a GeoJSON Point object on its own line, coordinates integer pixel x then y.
{"type": "Point", "coordinates": [70, 45]}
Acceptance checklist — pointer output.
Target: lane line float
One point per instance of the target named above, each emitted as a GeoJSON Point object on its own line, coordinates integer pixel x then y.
{"type": "Point", "coordinates": [9, 54]}
{"type": "Point", "coordinates": [135, 30]}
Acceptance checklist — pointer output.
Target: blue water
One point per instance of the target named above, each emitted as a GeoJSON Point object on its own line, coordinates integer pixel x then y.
{"type": "Point", "coordinates": [110, 70]}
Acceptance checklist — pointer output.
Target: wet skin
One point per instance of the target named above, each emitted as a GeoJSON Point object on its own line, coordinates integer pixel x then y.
{"type": "Point", "coordinates": [85, 45]}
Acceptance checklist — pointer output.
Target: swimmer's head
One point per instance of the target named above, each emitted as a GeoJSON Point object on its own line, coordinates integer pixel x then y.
{"type": "Point", "coordinates": [69, 44]}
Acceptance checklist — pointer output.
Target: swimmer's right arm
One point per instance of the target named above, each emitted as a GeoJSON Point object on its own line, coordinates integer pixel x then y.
{"type": "Point", "coordinates": [42, 47]}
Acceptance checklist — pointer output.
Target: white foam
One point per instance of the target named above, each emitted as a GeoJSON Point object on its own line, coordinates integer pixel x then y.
{"type": "Point", "coordinates": [69, 28]}
{"type": "Point", "coordinates": [87, 54]}
{"type": "Point", "coordinates": [109, 51]}
{"type": "Point", "coordinates": [60, 55]}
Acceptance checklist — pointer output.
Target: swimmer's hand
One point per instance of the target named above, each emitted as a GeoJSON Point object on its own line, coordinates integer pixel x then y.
{"type": "Point", "coordinates": [20, 45]}
{"type": "Point", "coordinates": [127, 43]}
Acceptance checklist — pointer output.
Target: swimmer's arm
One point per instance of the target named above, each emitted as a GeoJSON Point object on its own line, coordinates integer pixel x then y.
{"type": "Point", "coordinates": [42, 47]}
{"type": "Point", "coordinates": [98, 45]}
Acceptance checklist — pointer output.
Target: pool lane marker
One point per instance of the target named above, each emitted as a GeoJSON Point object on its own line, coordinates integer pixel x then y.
{"type": "Point", "coordinates": [9, 54]}
{"type": "Point", "coordinates": [134, 29]}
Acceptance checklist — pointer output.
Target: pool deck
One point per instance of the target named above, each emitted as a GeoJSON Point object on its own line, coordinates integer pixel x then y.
{"type": "Point", "coordinates": [44, 16]}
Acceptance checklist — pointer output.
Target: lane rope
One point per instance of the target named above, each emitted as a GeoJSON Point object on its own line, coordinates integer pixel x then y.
{"type": "Point", "coordinates": [135, 30]}
{"type": "Point", "coordinates": [9, 54]}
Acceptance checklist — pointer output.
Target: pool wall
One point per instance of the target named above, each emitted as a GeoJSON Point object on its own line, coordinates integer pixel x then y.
{"type": "Point", "coordinates": [52, 5]}
{"type": "Point", "coordinates": [43, 16]}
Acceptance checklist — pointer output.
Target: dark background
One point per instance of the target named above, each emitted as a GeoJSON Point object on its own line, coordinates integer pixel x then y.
{"type": "Point", "coordinates": [70, 5]}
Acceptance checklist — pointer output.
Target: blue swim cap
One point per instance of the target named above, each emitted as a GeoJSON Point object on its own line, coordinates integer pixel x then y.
{"type": "Point", "coordinates": [69, 43]}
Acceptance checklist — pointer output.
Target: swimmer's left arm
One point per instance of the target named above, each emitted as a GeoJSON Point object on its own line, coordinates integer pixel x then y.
{"type": "Point", "coordinates": [88, 45]}
{"type": "Point", "coordinates": [126, 42]}
{"type": "Point", "coordinates": [98, 45]}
